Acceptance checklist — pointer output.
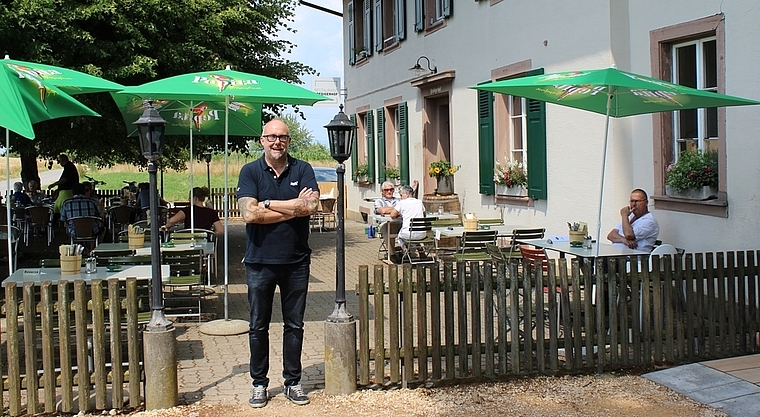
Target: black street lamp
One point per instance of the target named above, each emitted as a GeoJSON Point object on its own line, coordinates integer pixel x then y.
{"type": "Point", "coordinates": [151, 132]}
{"type": "Point", "coordinates": [340, 136]}
{"type": "Point", "coordinates": [207, 157]}
{"type": "Point", "coordinates": [159, 341]}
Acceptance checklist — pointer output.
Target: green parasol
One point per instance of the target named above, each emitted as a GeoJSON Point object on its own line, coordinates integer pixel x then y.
{"type": "Point", "coordinates": [613, 93]}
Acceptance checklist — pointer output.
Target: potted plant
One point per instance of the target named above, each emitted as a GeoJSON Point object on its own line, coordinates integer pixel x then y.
{"type": "Point", "coordinates": [362, 172]}
{"type": "Point", "coordinates": [694, 176]}
{"type": "Point", "coordinates": [443, 171]}
{"type": "Point", "coordinates": [393, 174]}
{"type": "Point", "coordinates": [510, 178]}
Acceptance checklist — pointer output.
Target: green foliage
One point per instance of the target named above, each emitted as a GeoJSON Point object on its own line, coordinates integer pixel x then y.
{"type": "Point", "coordinates": [442, 168]}
{"type": "Point", "coordinates": [511, 174]}
{"type": "Point", "coordinates": [362, 169]}
{"type": "Point", "coordinates": [693, 169]}
{"type": "Point", "coordinates": [135, 42]}
{"type": "Point", "coordinates": [392, 172]}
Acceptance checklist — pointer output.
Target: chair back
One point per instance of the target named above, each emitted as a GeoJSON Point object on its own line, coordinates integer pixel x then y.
{"type": "Point", "coordinates": [496, 255]}
{"type": "Point", "coordinates": [4, 214]}
{"type": "Point", "coordinates": [125, 260]}
{"type": "Point", "coordinates": [519, 234]}
{"type": "Point", "coordinates": [120, 215]}
{"type": "Point", "coordinates": [490, 221]}
{"type": "Point", "coordinates": [534, 255]}
{"type": "Point", "coordinates": [420, 224]}
{"type": "Point", "coordinates": [663, 249]}
{"type": "Point", "coordinates": [184, 263]}
{"type": "Point", "coordinates": [328, 205]}
{"type": "Point", "coordinates": [476, 240]}
{"type": "Point", "coordinates": [40, 215]}
{"type": "Point", "coordinates": [186, 235]}
{"type": "Point", "coordinates": [447, 222]}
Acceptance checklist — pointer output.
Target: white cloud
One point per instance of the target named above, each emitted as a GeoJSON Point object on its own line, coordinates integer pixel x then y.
{"type": "Point", "coordinates": [319, 44]}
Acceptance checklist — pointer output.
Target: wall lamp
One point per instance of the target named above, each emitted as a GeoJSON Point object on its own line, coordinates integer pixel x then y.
{"type": "Point", "coordinates": [417, 68]}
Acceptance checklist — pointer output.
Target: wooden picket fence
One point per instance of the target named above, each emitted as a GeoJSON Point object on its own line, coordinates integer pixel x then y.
{"type": "Point", "coordinates": [216, 198]}
{"type": "Point", "coordinates": [71, 356]}
{"type": "Point", "coordinates": [449, 321]}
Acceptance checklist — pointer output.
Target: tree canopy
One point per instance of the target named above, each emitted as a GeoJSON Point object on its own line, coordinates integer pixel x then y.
{"type": "Point", "coordinates": [133, 42]}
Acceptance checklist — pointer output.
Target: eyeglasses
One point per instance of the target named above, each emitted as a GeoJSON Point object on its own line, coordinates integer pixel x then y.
{"type": "Point", "coordinates": [272, 138]}
{"type": "Point", "coordinates": [387, 189]}
{"type": "Point", "coordinates": [635, 201]}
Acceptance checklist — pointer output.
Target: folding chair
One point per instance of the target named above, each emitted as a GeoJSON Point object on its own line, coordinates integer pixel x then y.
{"type": "Point", "coordinates": [118, 219]}
{"type": "Point", "coordinates": [185, 282]}
{"type": "Point", "coordinates": [83, 230]}
{"type": "Point", "coordinates": [474, 245]}
{"type": "Point", "coordinates": [188, 235]}
{"type": "Point", "coordinates": [521, 234]}
{"type": "Point", "coordinates": [40, 219]}
{"type": "Point", "coordinates": [423, 227]}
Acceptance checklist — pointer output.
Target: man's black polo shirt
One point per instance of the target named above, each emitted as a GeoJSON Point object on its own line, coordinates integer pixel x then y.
{"type": "Point", "coordinates": [279, 243]}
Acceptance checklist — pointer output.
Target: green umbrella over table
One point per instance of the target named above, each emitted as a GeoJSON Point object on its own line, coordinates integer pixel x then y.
{"type": "Point", "coordinates": [33, 93]}
{"type": "Point", "coordinates": [611, 92]}
{"type": "Point", "coordinates": [228, 86]}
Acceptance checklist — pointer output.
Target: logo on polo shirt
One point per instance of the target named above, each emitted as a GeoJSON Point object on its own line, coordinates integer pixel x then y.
{"type": "Point", "coordinates": [294, 184]}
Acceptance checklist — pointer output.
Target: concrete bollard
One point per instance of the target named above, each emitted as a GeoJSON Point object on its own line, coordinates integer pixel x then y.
{"type": "Point", "coordinates": [160, 352]}
{"type": "Point", "coordinates": [340, 358]}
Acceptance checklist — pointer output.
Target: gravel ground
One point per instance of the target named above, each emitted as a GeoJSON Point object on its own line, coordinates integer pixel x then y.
{"type": "Point", "coordinates": [589, 395]}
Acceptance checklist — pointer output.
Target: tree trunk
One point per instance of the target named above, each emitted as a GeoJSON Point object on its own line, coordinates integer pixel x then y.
{"type": "Point", "coordinates": [28, 156]}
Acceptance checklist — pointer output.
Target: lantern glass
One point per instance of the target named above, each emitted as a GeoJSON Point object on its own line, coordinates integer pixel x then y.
{"type": "Point", "coordinates": [340, 136]}
{"type": "Point", "coordinates": [151, 129]}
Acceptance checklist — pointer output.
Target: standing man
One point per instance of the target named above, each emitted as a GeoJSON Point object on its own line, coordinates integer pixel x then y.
{"type": "Point", "coordinates": [638, 229]}
{"type": "Point", "coordinates": [276, 195]}
{"type": "Point", "coordinates": [69, 178]}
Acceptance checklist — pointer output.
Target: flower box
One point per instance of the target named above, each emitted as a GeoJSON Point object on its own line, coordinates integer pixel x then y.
{"type": "Point", "coordinates": [702, 193]}
{"type": "Point", "coordinates": [517, 190]}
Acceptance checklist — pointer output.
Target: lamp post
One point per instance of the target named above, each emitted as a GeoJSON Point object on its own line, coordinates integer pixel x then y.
{"type": "Point", "coordinates": [159, 342]}
{"type": "Point", "coordinates": [340, 327]}
{"type": "Point", "coordinates": [207, 158]}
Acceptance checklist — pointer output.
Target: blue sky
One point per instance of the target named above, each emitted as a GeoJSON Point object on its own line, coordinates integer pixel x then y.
{"type": "Point", "coordinates": [319, 44]}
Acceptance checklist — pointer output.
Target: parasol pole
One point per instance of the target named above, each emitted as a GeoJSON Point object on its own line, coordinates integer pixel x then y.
{"type": "Point", "coordinates": [7, 198]}
{"type": "Point", "coordinates": [604, 165]}
{"type": "Point", "coordinates": [192, 162]}
{"type": "Point", "coordinates": [226, 205]}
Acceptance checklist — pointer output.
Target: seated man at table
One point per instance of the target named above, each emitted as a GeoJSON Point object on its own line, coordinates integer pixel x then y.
{"type": "Point", "coordinates": [82, 205]}
{"type": "Point", "coordinates": [638, 229]}
{"type": "Point", "coordinates": [385, 204]}
{"type": "Point", "coordinates": [407, 208]}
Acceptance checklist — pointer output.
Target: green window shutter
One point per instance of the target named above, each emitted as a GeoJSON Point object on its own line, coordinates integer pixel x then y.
{"type": "Point", "coordinates": [403, 134]}
{"type": "Point", "coordinates": [447, 5]}
{"type": "Point", "coordinates": [368, 27]}
{"type": "Point", "coordinates": [354, 152]}
{"type": "Point", "coordinates": [537, 167]}
{"type": "Point", "coordinates": [485, 142]}
{"type": "Point", "coordinates": [351, 35]}
{"type": "Point", "coordinates": [370, 147]}
{"type": "Point", "coordinates": [379, 25]}
{"type": "Point", "coordinates": [382, 159]}
{"type": "Point", "coordinates": [400, 19]}
{"type": "Point", "coordinates": [419, 16]}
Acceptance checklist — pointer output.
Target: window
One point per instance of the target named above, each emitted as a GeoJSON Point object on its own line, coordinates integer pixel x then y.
{"type": "Point", "coordinates": [429, 14]}
{"type": "Point", "coordinates": [359, 30]}
{"type": "Point", "coordinates": [389, 23]}
{"type": "Point", "coordinates": [390, 151]}
{"type": "Point", "coordinates": [687, 54]}
{"type": "Point", "coordinates": [512, 128]}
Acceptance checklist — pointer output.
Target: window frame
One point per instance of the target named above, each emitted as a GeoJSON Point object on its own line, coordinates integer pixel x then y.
{"type": "Point", "coordinates": [662, 42]}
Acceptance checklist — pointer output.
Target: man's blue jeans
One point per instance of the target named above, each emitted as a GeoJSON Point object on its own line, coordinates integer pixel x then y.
{"type": "Point", "coordinates": [293, 280]}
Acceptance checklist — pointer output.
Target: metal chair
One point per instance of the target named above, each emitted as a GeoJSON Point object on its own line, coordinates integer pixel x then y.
{"type": "Point", "coordinates": [188, 235]}
{"type": "Point", "coordinates": [474, 245]}
{"type": "Point", "coordinates": [418, 226]}
{"type": "Point", "coordinates": [118, 219]}
{"type": "Point", "coordinates": [521, 234]}
{"type": "Point", "coordinates": [39, 219]}
{"type": "Point", "coordinates": [185, 281]}
{"type": "Point", "coordinates": [15, 238]}
{"type": "Point", "coordinates": [84, 227]}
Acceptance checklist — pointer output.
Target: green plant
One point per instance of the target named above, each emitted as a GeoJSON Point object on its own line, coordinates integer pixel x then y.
{"type": "Point", "coordinates": [511, 174]}
{"type": "Point", "coordinates": [392, 172]}
{"type": "Point", "coordinates": [362, 169]}
{"type": "Point", "coordinates": [442, 168]}
{"type": "Point", "coordinates": [694, 169]}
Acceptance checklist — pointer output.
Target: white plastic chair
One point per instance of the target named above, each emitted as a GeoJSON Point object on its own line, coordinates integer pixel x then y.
{"type": "Point", "coordinates": [663, 249]}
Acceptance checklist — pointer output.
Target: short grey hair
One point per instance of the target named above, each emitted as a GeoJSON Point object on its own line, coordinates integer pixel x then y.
{"type": "Point", "coordinates": [18, 186]}
{"type": "Point", "coordinates": [406, 190]}
{"type": "Point", "coordinates": [387, 183]}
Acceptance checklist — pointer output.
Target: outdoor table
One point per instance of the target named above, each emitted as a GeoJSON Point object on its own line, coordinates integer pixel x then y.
{"type": "Point", "coordinates": [205, 246]}
{"type": "Point", "coordinates": [597, 250]}
{"type": "Point", "coordinates": [38, 275]}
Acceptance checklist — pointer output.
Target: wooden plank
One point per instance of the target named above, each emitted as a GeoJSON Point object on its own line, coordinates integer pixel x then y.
{"type": "Point", "coordinates": [658, 315]}
{"type": "Point", "coordinates": [553, 313]}
{"type": "Point", "coordinates": [577, 317]}
{"type": "Point", "coordinates": [712, 317]}
{"type": "Point", "coordinates": [394, 329]}
{"type": "Point", "coordinates": [720, 308]}
{"type": "Point", "coordinates": [636, 294]}
{"type": "Point", "coordinates": [668, 307]}
{"type": "Point", "coordinates": [80, 324]}
{"type": "Point", "coordinates": [379, 304]}
{"type": "Point", "coordinates": [14, 351]}
{"type": "Point", "coordinates": [690, 300]}
{"type": "Point", "coordinates": [489, 309]}
{"type": "Point", "coordinates": [435, 323]}
{"type": "Point", "coordinates": [66, 379]}
{"type": "Point", "coordinates": [114, 318]}
{"type": "Point", "coordinates": [731, 302]}
{"type": "Point", "coordinates": [626, 296]}
{"type": "Point", "coordinates": [30, 349]}
{"type": "Point", "coordinates": [538, 277]}
{"type": "Point", "coordinates": [678, 297]}
{"type": "Point", "coordinates": [407, 322]}
{"type": "Point", "coordinates": [514, 317]}
{"type": "Point", "coordinates": [502, 318]}
{"type": "Point", "coordinates": [448, 317]}
{"type": "Point", "coordinates": [98, 344]}
{"type": "Point", "coordinates": [477, 277]}
{"type": "Point", "coordinates": [462, 319]}
{"type": "Point", "coordinates": [601, 331]}
{"type": "Point", "coordinates": [646, 316]}
{"type": "Point", "coordinates": [363, 320]}
{"type": "Point", "coordinates": [422, 325]}
{"type": "Point", "coordinates": [134, 347]}
{"type": "Point", "coordinates": [614, 300]}
{"type": "Point", "coordinates": [741, 303]}
{"type": "Point", "coordinates": [48, 349]}
{"type": "Point", "coordinates": [752, 312]}
{"type": "Point", "coordinates": [589, 289]}
{"type": "Point", "coordinates": [530, 314]}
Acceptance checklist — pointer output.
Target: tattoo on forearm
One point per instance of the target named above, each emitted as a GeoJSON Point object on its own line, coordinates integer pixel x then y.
{"type": "Point", "coordinates": [304, 207]}
{"type": "Point", "coordinates": [250, 210]}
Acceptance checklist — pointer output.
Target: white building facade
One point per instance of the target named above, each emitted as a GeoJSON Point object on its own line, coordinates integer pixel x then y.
{"type": "Point", "coordinates": [408, 120]}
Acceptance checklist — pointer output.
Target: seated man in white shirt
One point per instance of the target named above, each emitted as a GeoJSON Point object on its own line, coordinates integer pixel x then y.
{"type": "Point", "coordinates": [638, 229]}
{"type": "Point", "coordinates": [407, 208]}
